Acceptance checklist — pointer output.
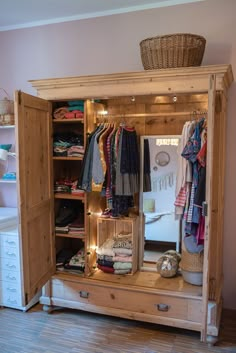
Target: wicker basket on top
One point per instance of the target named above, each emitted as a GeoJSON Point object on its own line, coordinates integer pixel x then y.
{"type": "Point", "coordinates": [171, 51]}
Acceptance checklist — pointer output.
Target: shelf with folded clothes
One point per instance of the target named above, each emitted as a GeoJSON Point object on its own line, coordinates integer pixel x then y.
{"type": "Point", "coordinates": [68, 121]}
{"type": "Point", "coordinates": [117, 245]}
{"type": "Point", "coordinates": [66, 188]}
{"type": "Point", "coordinates": [68, 143]}
{"type": "Point", "coordinates": [71, 259]}
{"type": "Point", "coordinates": [65, 158]}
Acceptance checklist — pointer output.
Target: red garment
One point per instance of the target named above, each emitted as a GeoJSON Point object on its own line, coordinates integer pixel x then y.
{"type": "Point", "coordinates": [201, 156]}
{"type": "Point", "coordinates": [201, 230]}
{"type": "Point", "coordinates": [106, 269]}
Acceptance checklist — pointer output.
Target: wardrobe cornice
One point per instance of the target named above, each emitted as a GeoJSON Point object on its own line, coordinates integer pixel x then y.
{"type": "Point", "coordinates": [165, 81]}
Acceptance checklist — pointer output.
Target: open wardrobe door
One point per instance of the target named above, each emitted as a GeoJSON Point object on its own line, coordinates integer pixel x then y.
{"type": "Point", "coordinates": [213, 211]}
{"type": "Point", "coordinates": [35, 188]}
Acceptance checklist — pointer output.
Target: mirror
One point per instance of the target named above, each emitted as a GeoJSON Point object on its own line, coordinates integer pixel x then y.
{"type": "Point", "coordinates": [160, 230]}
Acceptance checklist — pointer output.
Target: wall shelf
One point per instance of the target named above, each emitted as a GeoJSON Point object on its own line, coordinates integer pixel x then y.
{"type": "Point", "coordinates": [7, 126]}
{"type": "Point", "coordinates": [5, 181]}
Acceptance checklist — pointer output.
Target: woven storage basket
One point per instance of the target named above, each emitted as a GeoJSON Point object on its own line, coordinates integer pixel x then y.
{"type": "Point", "coordinates": [173, 50]}
{"type": "Point", "coordinates": [6, 105]}
{"type": "Point", "coordinates": [7, 119]}
{"type": "Point", "coordinates": [191, 262]}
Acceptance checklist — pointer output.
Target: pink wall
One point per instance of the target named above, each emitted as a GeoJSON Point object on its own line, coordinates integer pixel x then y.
{"type": "Point", "coordinates": [111, 44]}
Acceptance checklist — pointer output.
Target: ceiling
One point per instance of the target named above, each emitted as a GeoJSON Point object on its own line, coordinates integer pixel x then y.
{"type": "Point", "coordinates": [16, 14]}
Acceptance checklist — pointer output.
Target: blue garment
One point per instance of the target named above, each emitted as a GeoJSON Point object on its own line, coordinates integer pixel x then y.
{"type": "Point", "coordinates": [86, 183]}
{"type": "Point", "coordinates": [97, 170]}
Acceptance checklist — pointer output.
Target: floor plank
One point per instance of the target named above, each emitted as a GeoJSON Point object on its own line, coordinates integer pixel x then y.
{"type": "Point", "coordinates": [73, 331]}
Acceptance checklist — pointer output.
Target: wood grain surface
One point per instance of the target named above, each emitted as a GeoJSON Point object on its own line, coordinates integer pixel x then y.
{"type": "Point", "coordinates": [72, 331]}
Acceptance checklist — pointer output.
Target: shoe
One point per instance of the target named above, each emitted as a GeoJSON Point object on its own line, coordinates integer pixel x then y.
{"type": "Point", "coordinates": [106, 213]}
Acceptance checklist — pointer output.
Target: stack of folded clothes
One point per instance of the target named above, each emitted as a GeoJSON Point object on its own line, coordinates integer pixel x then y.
{"type": "Point", "coordinates": [68, 145]}
{"type": "Point", "coordinates": [122, 249]}
{"type": "Point", "coordinates": [67, 186]}
{"type": "Point", "coordinates": [105, 256]}
{"type": "Point", "coordinates": [77, 226]}
{"type": "Point", "coordinates": [73, 110]}
{"type": "Point", "coordinates": [77, 262]}
{"type": "Point", "coordinates": [115, 254]}
{"type": "Point", "coordinates": [66, 259]}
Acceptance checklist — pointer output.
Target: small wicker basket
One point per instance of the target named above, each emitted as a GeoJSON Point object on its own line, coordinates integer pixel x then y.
{"type": "Point", "coordinates": [7, 119]}
{"type": "Point", "coordinates": [171, 51]}
{"type": "Point", "coordinates": [6, 104]}
{"type": "Point", "coordinates": [191, 262]}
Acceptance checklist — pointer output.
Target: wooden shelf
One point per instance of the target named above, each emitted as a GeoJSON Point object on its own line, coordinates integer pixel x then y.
{"type": "Point", "coordinates": [79, 235]}
{"type": "Point", "coordinates": [68, 196]}
{"type": "Point", "coordinates": [68, 121]}
{"type": "Point", "coordinates": [67, 158]}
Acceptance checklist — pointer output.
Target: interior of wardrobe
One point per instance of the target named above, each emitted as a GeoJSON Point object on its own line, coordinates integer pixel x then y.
{"type": "Point", "coordinates": [151, 219]}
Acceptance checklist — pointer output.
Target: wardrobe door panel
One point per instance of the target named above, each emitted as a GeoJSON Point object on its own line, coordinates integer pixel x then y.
{"type": "Point", "coordinates": [34, 170]}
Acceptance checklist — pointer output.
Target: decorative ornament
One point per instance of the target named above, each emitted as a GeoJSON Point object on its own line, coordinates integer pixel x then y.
{"type": "Point", "coordinates": [162, 158]}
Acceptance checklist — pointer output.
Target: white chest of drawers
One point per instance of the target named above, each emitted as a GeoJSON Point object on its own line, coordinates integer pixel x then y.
{"type": "Point", "coordinates": [11, 294]}
{"type": "Point", "coordinates": [11, 289]}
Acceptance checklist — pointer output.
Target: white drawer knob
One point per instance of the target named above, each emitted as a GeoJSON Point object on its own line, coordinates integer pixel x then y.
{"type": "Point", "coordinates": [10, 242]}
{"type": "Point", "coordinates": [11, 253]}
{"type": "Point", "coordinates": [11, 277]}
{"type": "Point", "coordinates": [11, 266]}
{"type": "Point", "coordinates": [11, 289]}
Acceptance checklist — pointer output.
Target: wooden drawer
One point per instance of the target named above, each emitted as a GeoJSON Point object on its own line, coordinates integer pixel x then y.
{"type": "Point", "coordinates": [133, 301]}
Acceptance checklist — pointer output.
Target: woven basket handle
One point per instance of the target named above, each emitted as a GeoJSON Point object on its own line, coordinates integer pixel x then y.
{"type": "Point", "coordinates": [5, 93]}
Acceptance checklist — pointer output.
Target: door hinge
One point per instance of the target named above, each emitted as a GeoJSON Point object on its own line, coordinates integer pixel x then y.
{"type": "Point", "coordinates": [26, 298]}
{"type": "Point", "coordinates": [19, 97]}
{"type": "Point", "coordinates": [205, 209]}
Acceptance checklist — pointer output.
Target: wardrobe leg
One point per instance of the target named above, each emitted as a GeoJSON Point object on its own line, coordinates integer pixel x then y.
{"type": "Point", "coordinates": [211, 340]}
{"type": "Point", "coordinates": [48, 308]}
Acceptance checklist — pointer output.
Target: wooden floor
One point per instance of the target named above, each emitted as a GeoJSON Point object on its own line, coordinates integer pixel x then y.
{"type": "Point", "coordinates": [71, 331]}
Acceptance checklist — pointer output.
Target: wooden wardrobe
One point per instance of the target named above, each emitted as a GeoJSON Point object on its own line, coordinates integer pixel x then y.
{"type": "Point", "coordinates": [146, 100]}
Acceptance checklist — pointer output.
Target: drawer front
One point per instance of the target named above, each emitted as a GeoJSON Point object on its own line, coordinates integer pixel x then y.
{"type": "Point", "coordinates": [11, 299]}
{"type": "Point", "coordinates": [10, 241]}
{"type": "Point", "coordinates": [11, 276]}
{"type": "Point", "coordinates": [9, 288]}
{"type": "Point", "coordinates": [145, 303]}
{"type": "Point", "coordinates": [9, 253]}
{"type": "Point", "coordinates": [9, 264]}
{"type": "Point", "coordinates": [11, 294]}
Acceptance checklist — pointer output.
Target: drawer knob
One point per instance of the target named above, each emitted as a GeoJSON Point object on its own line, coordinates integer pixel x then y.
{"type": "Point", "coordinates": [11, 266]}
{"type": "Point", "coordinates": [11, 277]}
{"type": "Point", "coordinates": [163, 307]}
{"type": "Point", "coordinates": [10, 253]}
{"type": "Point", "coordinates": [11, 289]}
{"type": "Point", "coordinates": [11, 242]}
{"type": "Point", "coordinates": [84, 294]}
